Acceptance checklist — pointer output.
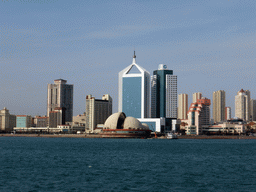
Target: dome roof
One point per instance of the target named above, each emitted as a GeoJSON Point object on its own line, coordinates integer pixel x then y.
{"type": "Point", "coordinates": [120, 121]}
{"type": "Point", "coordinates": [114, 121]}
{"type": "Point", "coordinates": [131, 122]}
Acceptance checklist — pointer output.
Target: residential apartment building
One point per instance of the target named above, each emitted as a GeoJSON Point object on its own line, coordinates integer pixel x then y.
{"type": "Point", "coordinates": [218, 105]}
{"type": "Point", "coordinates": [183, 106]}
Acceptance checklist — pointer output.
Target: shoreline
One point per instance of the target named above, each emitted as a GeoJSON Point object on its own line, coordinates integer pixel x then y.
{"type": "Point", "coordinates": [99, 136]}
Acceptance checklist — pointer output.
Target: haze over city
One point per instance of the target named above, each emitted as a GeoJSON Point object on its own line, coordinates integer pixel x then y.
{"type": "Point", "coordinates": [210, 46]}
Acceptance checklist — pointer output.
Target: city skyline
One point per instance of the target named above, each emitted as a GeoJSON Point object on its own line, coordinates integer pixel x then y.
{"type": "Point", "coordinates": [207, 46]}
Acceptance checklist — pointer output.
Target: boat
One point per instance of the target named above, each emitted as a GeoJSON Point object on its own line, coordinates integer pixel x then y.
{"type": "Point", "coordinates": [171, 135]}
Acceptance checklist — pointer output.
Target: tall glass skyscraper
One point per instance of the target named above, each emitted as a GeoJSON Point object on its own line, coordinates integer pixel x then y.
{"type": "Point", "coordinates": [163, 93]}
{"type": "Point", "coordinates": [133, 89]}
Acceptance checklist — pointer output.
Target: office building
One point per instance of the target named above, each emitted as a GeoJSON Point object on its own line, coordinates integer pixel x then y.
{"type": "Point", "coordinates": [7, 121]}
{"type": "Point", "coordinates": [57, 117]}
{"type": "Point", "coordinates": [23, 121]}
{"type": "Point", "coordinates": [196, 96]}
{"type": "Point", "coordinates": [163, 93]}
{"type": "Point", "coordinates": [97, 111]}
{"type": "Point", "coordinates": [242, 105]}
{"type": "Point", "coordinates": [183, 106]}
{"type": "Point", "coordinates": [134, 90]}
{"type": "Point", "coordinates": [218, 105]}
{"type": "Point", "coordinates": [40, 121]}
{"type": "Point", "coordinates": [60, 95]}
{"type": "Point", "coordinates": [227, 113]}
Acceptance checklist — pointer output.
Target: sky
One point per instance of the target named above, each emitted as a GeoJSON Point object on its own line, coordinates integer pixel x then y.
{"type": "Point", "coordinates": [209, 44]}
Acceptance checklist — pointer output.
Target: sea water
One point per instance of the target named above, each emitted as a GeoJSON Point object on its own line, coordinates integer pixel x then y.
{"type": "Point", "coordinates": [82, 164]}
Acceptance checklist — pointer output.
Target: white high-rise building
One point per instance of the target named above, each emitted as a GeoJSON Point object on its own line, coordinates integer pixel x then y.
{"type": "Point", "coordinates": [134, 91]}
{"type": "Point", "coordinates": [196, 96]}
{"type": "Point", "coordinates": [183, 106]}
{"type": "Point", "coordinates": [242, 105]}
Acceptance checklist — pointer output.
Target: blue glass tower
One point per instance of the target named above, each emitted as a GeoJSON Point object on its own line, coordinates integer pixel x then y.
{"type": "Point", "coordinates": [133, 88]}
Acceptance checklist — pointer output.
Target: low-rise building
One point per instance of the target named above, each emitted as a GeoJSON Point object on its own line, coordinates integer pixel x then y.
{"type": "Point", "coordinates": [23, 121]}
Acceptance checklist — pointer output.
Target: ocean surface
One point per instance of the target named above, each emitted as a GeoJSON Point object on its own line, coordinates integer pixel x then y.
{"type": "Point", "coordinates": [82, 164]}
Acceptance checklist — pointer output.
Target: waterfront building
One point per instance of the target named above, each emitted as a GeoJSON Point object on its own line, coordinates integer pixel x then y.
{"type": "Point", "coordinates": [57, 117]}
{"type": "Point", "coordinates": [134, 90]}
{"type": "Point", "coordinates": [218, 105]}
{"type": "Point", "coordinates": [23, 121]}
{"type": "Point", "coordinates": [7, 121]}
{"type": "Point", "coordinates": [196, 96]}
{"type": "Point", "coordinates": [163, 93]}
{"type": "Point", "coordinates": [40, 121]}
{"type": "Point", "coordinates": [119, 126]}
{"type": "Point", "coordinates": [242, 105]}
{"type": "Point", "coordinates": [227, 113]}
{"type": "Point", "coordinates": [97, 110]}
{"type": "Point", "coordinates": [198, 116]}
{"type": "Point", "coordinates": [79, 120]}
{"type": "Point", "coordinates": [183, 106]}
{"type": "Point", "coordinates": [60, 95]}
{"type": "Point", "coordinates": [253, 109]}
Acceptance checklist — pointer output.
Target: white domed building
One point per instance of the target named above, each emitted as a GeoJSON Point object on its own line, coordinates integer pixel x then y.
{"type": "Point", "coordinates": [119, 126]}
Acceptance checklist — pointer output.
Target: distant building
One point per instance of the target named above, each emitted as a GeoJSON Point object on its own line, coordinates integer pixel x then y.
{"type": "Point", "coordinates": [7, 121]}
{"type": "Point", "coordinates": [227, 113]}
{"type": "Point", "coordinates": [183, 106]}
{"type": "Point", "coordinates": [41, 121]}
{"type": "Point", "coordinates": [196, 96]}
{"type": "Point", "coordinates": [134, 91]}
{"type": "Point", "coordinates": [218, 105]}
{"type": "Point", "coordinates": [163, 93]}
{"type": "Point", "coordinates": [79, 120]}
{"type": "Point", "coordinates": [23, 121]}
{"type": "Point", "coordinates": [57, 117]}
{"type": "Point", "coordinates": [242, 105]}
{"type": "Point", "coordinates": [60, 95]}
{"type": "Point", "coordinates": [253, 109]}
{"type": "Point", "coordinates": [97, 111]}
{"type": "Point", "coordinates": [198, 116]}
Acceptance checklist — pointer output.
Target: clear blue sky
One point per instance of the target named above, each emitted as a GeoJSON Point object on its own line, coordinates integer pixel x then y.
{"type": "Point", "coordinates": [210, 45]}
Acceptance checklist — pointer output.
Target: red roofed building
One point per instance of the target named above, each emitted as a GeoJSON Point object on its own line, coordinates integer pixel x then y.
{"type": "Point", "coordinates": [198, 116]}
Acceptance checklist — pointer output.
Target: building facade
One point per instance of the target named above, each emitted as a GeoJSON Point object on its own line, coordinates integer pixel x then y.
{"type": "Point", "coordinates": [196, 96]}
{"type": "Point", "coordinates": [242, 105]}
{"type": "Point", "coordinates": [134, 91]}
{"type": "Point", "coordinates": [218, 105]}
{"type": "Point", "coordinates": [198, 116]}
{"type": "Point", "coordinates": [183, 106]}
{"type": "Point", "coordinates": [163, 93]}
{"type": "Point", "coordinates": [60, 95]}
{"type": "Point", "coordinates": [7, 121]}
{"type": "Point", "coordinates": [57, 117]}
{"type": "Point", "coordinates": [23, 121]}
{"type": "Point", "coordinates": [97, 111]}
{"type": "Point", "coordinates": [253, 110]}
{"type": "Point", "coordinates": [227, 113]}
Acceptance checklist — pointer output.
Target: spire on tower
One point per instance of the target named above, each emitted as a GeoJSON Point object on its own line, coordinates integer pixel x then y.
{"type": "Point", "coordinates": [134, 58]}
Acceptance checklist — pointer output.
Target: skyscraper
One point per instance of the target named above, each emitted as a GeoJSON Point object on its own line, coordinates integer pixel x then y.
{"type": "Point", "coordinates": [196, 96]}
{"type": "Point", "coordinates": [183, 106]}
{"type": "Point", "coordinates": [133, 89]}
{"type": "Point", "coordinates": [218, 105]}
{"type": "Point", "coordinates": [163, 93]}
{"type": "Point", "coordinates": [60, 95]}
{"type": "Point", "coordinates": [97, 110]}
{"type": "Point", "coordinates": [242, 105]}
